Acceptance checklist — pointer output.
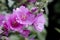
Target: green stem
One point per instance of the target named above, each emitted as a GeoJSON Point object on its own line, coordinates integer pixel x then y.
{"type": "Point", "coordinates": [46, 10]}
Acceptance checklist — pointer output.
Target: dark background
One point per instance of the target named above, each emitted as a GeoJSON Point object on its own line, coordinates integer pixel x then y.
{"type": "Point", "coordinates": [54, 16]}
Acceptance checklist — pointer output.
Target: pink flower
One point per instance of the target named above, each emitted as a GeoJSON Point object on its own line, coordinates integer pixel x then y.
{"type": "Point", "coordinates": [6, 29]}
{"type": "Point", "coordinates": [2, 18]}
{"type": "Point", "coordinates": [39, 22]}
{"type": "Point", "coordinates": [24, 15]}
{"type": "Point", "coordinates": [25, 33]}
{"type": "Point", "coordinates": [12, 23]}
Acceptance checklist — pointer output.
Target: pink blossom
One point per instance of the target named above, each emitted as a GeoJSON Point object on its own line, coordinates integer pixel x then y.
{"type": "Point", "coordinates": [24, 15]}
{"type": "Point", "coordinates": [12, 23]}
{"type": "Point", "coordinates": [39, 22]}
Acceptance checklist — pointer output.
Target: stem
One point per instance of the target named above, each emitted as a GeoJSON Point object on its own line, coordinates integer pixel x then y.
{"type": "Point", "coordinates": [46, 10]}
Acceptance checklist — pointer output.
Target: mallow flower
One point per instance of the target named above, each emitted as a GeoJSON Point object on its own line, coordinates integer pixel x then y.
{"type": "Point", "coordinates": [39, 22]}
{"type": "Point", "coordinates": [24, 16]}
{"type": "Point", "coordinates": [12, 23]}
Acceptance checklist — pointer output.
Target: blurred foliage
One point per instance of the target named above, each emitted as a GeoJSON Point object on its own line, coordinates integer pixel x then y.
{"type": "Point", "coordinates": [43, 35]}
{"type": "Point", "coordinates": [57, 7]}
{"type": "Point", "coordinates": [46, 24]}
{"type": "Point", "coordinates": [58, 21]}
{"type": "Point", "coordinates": [57, 29]}
{"type": "Point", "coordinates": [57, 10]}
{"type": "Point", "coordinates": [15, 37]}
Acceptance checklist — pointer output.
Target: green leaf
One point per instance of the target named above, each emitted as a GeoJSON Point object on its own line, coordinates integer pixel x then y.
{"type": "Point", "coordinates": [42, 35]}
{"type": "Point", "coordinates": [46, 20]}
{"type": "Point", "coordinates": [14, 37]}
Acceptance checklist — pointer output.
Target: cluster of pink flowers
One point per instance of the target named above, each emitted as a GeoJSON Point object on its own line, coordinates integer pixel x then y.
{"type": "Point", "coordinates": [20, 19]}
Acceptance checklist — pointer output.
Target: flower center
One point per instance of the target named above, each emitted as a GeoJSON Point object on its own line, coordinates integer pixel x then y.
{"type": "Point", "coordinates": [15, 24]}
{"type": "Point", "coordinates": [23, 17]}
